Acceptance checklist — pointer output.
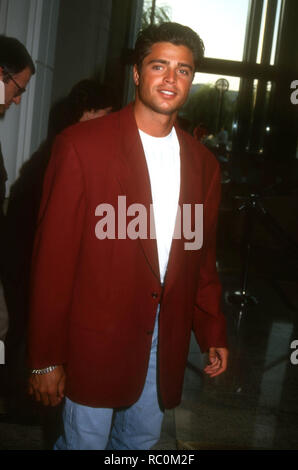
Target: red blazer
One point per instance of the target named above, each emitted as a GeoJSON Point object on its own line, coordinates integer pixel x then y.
{"type": "Point", "coordinates": [93, 302]}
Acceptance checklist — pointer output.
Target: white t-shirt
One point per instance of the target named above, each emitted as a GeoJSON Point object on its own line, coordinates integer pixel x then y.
{"type": "Point", "coordinates": [163, 162]}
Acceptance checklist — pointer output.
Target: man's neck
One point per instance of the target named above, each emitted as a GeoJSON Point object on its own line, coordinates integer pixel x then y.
{"type": "Point", "coordinates": [153, 123]}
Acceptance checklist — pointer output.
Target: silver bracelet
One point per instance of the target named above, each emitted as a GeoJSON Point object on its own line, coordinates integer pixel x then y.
{"type": "Point", "coordinates": [43, 371]}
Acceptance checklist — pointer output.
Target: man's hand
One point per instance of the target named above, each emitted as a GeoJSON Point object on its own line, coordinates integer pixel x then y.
{"type": "Point", "coordinates": [218, 361]}
{"type": "Point", "coordinates": [48, 388]}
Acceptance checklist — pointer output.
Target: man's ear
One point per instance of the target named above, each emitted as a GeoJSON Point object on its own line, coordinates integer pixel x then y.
{"type": "Point", "coordinates": [136, 76]}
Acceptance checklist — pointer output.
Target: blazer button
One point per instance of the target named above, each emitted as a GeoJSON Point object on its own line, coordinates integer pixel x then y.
{"type": "Point", "coordinates": [154, 295]}
{"type": "Point", "coordinates": [149, 332]}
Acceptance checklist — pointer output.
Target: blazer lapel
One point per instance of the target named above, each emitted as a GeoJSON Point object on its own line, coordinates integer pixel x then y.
{"type": "Point", "coordinates": [134, 179]}
{"type": "Point", "coordinates": [191, 192]}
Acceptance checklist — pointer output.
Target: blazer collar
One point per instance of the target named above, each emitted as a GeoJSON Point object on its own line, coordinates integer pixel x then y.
{"type": "Point", "coordinates": [135, 183]}
{"type": "Point", "coordinates": [134, 178]}
{"type": "Point", "coordinates": [191, 192]}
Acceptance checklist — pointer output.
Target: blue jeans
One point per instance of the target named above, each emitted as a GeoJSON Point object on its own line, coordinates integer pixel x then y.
{"type": "Point", "coordinates": [135, 428]}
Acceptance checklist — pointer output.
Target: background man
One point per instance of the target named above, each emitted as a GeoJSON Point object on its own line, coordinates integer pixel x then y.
{"type": "Point", "coordinates": [111, 318]}
{"type": "Point", "coordinates": [16, 68]}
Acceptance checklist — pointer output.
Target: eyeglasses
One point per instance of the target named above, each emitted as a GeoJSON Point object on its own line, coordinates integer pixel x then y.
{"type": "Point", "coordinates": [20, 90]}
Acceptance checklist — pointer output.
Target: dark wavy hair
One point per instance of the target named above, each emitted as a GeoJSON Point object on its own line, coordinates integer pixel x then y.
{"type": "Point", "coordinates": [85, 95]}
{"type": "Point", "coordinates": [174, 33]}
{"type": "Point", "coordinates": [14, 56]}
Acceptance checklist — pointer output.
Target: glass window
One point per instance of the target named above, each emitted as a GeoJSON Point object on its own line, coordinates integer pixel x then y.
{"type": "Point", "coordinates": [210, 109]}
{"type": "Point", "coordinates": [276, 28]}
{"type": "Point", "coordinates": [220, 23]}
{"type": "Point", "coordinates": [266, 6]}
{"type": "Point", "coordinates": [262, 30]}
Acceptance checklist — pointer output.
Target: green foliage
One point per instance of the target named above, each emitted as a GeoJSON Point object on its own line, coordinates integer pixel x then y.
{"type": "Point", "coordinates": [203, 107]}
{"type": "Point", "coordinates": [161, 14]}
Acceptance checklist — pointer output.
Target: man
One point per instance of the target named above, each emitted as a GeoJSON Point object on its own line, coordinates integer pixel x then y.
{"type": "Point", "coordinates": [112, 306]}
{"type": "Point", "coordinates": [16, 69]}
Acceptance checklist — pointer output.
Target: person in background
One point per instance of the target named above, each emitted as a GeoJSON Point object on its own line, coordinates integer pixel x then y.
{"type": "Point", "coordinates": [222, 137]}
{"type": "Point", "coordinates": [16, 69]}
{"type": "Point", "coordinates": [87, 100]}
{"type": "Point", "coordinates": [200, 132]}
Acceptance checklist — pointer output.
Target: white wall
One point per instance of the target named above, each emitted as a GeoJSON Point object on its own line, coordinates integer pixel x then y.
{"type": "Point", "coordinates": [34, 23]}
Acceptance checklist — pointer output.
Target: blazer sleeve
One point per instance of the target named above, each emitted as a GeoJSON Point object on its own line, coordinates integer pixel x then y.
{"type": "Point", "coordinates": [209, 323]}
{"type": "Point", "coordinates": [55, 254]}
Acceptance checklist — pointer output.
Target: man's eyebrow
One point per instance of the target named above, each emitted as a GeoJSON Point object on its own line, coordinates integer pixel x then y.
{"type": "Point", "coordinates": [160, 61]}
{"type": "Point", "coordinates": [181, 64]}
{"type": "Point", "coordinates": [163, 61]}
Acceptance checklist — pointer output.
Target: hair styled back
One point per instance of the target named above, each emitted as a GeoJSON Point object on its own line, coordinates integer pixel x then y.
{"type": "Point", "coordinates": [174, 33]}
{"type": "Point", "coordinates": [14, 56]}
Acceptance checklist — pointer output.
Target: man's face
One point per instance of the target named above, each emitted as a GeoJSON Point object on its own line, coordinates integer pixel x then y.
{"type": "Point", "coordinates": [165, 78]}
{"type": "Point", "coordinates": [11, 89]}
